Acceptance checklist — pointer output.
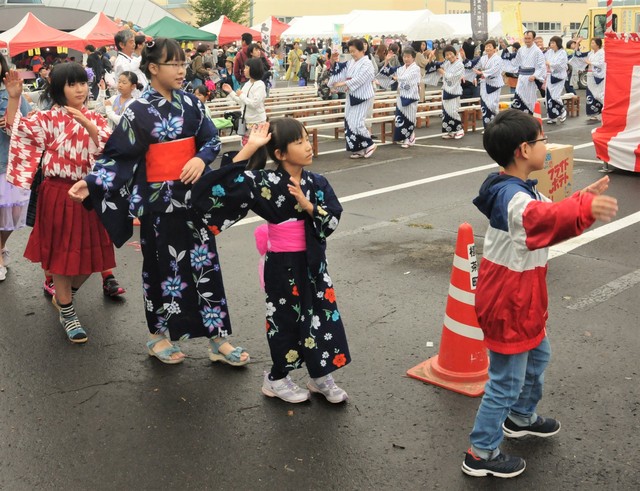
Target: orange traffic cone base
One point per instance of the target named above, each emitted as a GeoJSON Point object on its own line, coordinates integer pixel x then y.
{"type": "Point", "coordinates": [468, 384]}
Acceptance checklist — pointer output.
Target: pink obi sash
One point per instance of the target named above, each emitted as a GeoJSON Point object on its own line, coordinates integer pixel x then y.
{"type": "Point", "coordinates": [280, 237]}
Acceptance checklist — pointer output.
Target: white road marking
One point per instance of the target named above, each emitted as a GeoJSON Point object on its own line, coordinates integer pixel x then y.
{"type": "Point", "coordinates": [607, 291]}
{"type": "Point", "coordinates": [588, 161]}
{"type": "Point", "coordinates": [591, 235]}
{"type": "Point", "coordinates": [584, 145]}
{"type": "Point", "coordinates": [419, 182]}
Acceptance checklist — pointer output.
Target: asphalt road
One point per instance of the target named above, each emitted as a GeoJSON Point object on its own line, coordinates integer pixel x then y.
{"type": "Point", "coordinates": [106, 416]}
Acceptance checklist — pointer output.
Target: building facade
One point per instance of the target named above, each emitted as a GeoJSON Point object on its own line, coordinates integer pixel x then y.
{"type": "Point", "coordinates": [548, 17]}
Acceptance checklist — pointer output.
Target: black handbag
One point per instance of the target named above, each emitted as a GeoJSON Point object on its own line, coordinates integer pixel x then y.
{"type": "Point", "coordinates": [33, 199]}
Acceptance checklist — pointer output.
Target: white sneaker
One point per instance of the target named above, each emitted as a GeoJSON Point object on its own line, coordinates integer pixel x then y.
{"type": "Point", "coordinates": [284, 389]}
{"type": "Point", "coordinates": [447, 136]}
{"type": "Point", "coordinates": [3, 273]}
{"type": "Point", "coordinates": [356, 155]}
{"type": "Point", "coordinates": [459, 134]}
{"type": "Point", "coordinates": [563, 116]}
{"type": "Point", "coordinates": [328, 388]}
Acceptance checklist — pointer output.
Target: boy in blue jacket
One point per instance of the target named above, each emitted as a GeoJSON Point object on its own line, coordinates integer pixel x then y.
{"type": "Point", "coordinates": [511, 294]}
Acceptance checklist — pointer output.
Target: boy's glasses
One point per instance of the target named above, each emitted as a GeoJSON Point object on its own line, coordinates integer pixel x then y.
{"type": "Point", "coordinates": [175, 65]}
{"type": "Point", "coordinates": [543, 139]}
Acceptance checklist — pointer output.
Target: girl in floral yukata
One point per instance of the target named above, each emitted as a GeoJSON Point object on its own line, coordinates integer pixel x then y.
{"type": "Point", "coordinates": [303, 321]}
{"type": "Point", "coordinates": [67, 240]}
{"type": "Point", "coordinates": [162, 145]}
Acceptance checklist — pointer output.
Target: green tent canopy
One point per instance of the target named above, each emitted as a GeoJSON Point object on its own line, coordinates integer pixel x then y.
{"type": "Point", "coordinates": [174, 29]}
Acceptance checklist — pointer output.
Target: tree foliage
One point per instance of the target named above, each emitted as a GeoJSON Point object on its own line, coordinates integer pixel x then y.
{"type": "Point", "coordinates": [208, 11]}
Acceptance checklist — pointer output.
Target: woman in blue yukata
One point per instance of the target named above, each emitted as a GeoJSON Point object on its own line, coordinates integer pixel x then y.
{"type": "Point", "coordinates": [596, 69]}
{"type": "Point", "coordinates": [408, 79]}
{"type": "Point", "coordinates": [451, 70]}
{"type": "Point", "coordinates": [161, 147]}
{"type": "Point", "coordinates": [489, 69]}
{"type": "Point", "coordinates": [557, 65]}
{"type": "Point", "coordinates": [355, 77]}
{"type": "Point", "coordinates": [303, 322]}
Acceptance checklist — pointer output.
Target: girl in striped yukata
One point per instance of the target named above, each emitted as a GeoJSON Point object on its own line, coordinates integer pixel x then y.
{"type": "Point", "coordinates": [595, 77]}
{"type": "Point", "coordinates": [451, 70]}
{"type": "Point", "coordinates": [489, 68]}
{"type": "Point", "coordinates": [356, 78]}
{"type": "Point", "coordinates": [409, 79]}
{"type": "Point", "coordinates": [557, 62]}
{"type": "Point", "coordinates": [528, 63]}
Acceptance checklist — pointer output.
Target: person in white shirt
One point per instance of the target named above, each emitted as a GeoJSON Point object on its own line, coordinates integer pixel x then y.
{"type": "Point", "coordinates": [115, 106]}
{"type": "Point", "coordinates": [251, 97]}
{"type": "Point", "coordinates": [126, 61]}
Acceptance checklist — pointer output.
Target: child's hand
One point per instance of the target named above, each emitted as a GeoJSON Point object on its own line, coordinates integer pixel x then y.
{"type": "Point", "coordinates": [298, 194]}
{"type": "Point", "coordinates": [227, 88]}
{"type": "Point", "coordinates": [598, 187]}
{"type": "Point", "coordinates": [13, 84]}
{"type": "Point", "coordinates": [604, 208]}
{"type": "Point", "coordinates": [259, 135]}
{"type": "Point", "coordinates": [78, 116]}
{"type": "Point", "coordinates": [3, 123]}
{"type": "Point", "coordinates": [192, 170]}
{"type": "Point", "coordinates": [79, 191]}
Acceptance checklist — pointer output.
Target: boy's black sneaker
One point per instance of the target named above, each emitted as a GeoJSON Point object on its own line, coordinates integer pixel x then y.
{"type": "Point", "coordinates": [501, 466]}
{"type": "Point", "coordinates": [543, 427]}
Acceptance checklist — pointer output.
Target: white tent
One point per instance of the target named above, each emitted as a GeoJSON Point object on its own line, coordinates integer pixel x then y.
{"type": "Point", "coordinates": [414, 24]}
{"type": "Point", "coordinates": [461, 25]}
{"type": "Point", "coordinates": [314, 26]}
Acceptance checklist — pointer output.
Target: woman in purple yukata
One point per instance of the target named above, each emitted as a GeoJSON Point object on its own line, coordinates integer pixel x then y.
{"type": "Point", "coordinates": [161, 147]}
{"type": "Point", "coordinates": [303, 321]}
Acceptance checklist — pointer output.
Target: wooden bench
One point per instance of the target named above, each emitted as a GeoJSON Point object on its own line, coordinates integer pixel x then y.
{"type": "Point", "coordinates": [572, 104]}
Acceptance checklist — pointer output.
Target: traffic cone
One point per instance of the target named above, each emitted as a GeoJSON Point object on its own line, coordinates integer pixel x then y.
{"type": "Point", "coordinates": [462, 363]}
{"type": "Point", "coordinates": [537, 112]}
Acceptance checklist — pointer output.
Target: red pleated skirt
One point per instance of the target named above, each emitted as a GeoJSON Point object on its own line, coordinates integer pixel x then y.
{"type": "Point", "coordinates": [67, 239]}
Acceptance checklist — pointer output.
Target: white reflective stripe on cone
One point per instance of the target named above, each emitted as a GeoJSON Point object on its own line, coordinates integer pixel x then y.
{"type": "Point", "coordinates": [462, 296]}
{"type": "Point", "coordinates": [463, 329]}
{"type": "Point", "coordinates": [461, 263]}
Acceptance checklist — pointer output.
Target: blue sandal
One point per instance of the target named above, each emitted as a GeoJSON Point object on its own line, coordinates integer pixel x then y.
{"type": "Point", "coordinates": [165, 355]}
{"type": "Point", "coordinates": [234, 358]}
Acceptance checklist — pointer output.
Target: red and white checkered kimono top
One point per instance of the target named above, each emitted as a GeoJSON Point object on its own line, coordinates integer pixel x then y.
{"type": "Point", "coordinates": [67, 149]}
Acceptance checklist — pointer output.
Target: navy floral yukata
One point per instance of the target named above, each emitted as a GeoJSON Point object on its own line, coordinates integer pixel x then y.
{"type": "Point", "coordinates": [303, 322]}
{"type": "Point", "coordinates": [182, 282]}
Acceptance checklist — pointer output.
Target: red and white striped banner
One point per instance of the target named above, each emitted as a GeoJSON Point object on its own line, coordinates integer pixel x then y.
{"type": "Point", "coordinates": [617, 141]}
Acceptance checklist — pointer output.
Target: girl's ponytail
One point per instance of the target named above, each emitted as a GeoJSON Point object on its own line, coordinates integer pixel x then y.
{"type": "Point", "coordinates": [259, 159]}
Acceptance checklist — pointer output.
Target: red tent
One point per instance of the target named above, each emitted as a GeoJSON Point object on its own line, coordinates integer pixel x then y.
{"type": "Point", "coordinates": [99, 31]}
{"type": "Point", "coordinates": [31, 33]}
{"type": "Point", "coordinates": [274, 27]}
{"type": "Point", "coordinates": [228, 31]}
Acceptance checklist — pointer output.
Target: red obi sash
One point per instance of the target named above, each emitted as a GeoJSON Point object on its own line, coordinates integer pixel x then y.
{"type": "Point", "coordinates": [166, 160]}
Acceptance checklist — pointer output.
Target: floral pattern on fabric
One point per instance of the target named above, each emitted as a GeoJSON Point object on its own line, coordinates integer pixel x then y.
{"type": "Point", "coordinates": [182, 281]}
{"type": "Point", "coordinates": [303, 322]}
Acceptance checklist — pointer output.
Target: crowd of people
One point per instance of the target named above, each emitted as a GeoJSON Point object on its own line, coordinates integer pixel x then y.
{"type": "Point", "coordinates": [473, 70]}
{"type": "Point", "coordinates": [144, 152]}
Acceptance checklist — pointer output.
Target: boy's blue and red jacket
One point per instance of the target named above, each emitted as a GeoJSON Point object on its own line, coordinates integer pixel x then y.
{"type": "Point", "coordinates": [511, 293]}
